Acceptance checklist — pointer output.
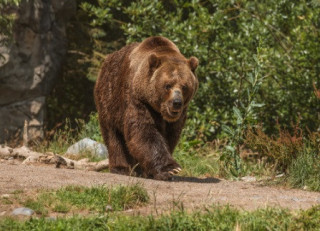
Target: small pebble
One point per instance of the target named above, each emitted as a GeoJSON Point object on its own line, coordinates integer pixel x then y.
{"type": "Point", "coordinates": [22, 211]}
{"type": "Point", "coordinates": [109, 208]}
{"type": "Point", "coordinates": [249, 179]}
{"type": "Point", "coordinates": [5, 196]}
{"type": "Point", "coordinates": [280, 175]}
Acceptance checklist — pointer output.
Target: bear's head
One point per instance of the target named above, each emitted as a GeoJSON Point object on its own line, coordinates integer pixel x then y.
{"type": "Point", "coordinates": [171, 84]}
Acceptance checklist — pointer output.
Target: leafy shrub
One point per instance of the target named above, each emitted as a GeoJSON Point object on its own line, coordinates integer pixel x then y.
{"type": "Point", "coordinates": [224, 35]}
{"type": "Point", "coordinates": [292, 152]}
{"type": "Point", "coordinates": [280, 150]}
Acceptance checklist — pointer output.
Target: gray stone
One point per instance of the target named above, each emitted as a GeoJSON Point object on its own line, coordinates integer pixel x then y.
{"type": "Point", "coordinates": [31, 64]}
{"type": "Point", "coordinates": [22, 211]}
{"type": "Point", "coordinates": [88, 145]}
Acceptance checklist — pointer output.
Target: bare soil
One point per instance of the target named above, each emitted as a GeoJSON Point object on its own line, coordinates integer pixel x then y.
{"type": "Point", "coordinates": [192, 192]}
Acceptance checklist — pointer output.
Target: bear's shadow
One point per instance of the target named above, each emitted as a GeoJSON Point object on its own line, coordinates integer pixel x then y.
{"type": "Point", "coordinates": [195, 179]}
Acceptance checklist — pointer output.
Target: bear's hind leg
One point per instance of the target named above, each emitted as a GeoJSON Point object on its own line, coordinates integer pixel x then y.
{"type": "Point", "coordinates": [119, 159]}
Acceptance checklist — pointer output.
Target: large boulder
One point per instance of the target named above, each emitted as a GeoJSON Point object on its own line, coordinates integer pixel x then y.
{"type": "Point", "coordinates": [31, 64]}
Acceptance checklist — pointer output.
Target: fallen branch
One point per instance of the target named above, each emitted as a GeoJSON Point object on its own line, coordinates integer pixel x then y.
{"type": "Point", "coordinates": [31, 157]}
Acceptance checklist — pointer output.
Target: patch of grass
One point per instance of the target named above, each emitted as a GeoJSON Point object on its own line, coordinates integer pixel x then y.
{"type": "Point", "coordinates": [6, 201]}
{"type": "Point", "coordinates": [18, 191]}
{"type": "Point", "coordinates": [197, 161]}
{"type": "Point", "coordinates": [38, 206]}
{"type": "Point", "coordinates": [305, 170]}
{"type": "Point", "coordinates": [214, 218]}
{"type": "Point", "coordinates": [61, 208]}
{"type": "Point", "coordinates": [72, 198]}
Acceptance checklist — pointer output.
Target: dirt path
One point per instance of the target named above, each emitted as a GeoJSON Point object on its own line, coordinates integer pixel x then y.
{"type": "Point", "coordinates": [192, 192]}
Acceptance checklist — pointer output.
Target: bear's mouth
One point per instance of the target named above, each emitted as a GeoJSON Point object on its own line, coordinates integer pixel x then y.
{"type": "Point", "coordinates": [173, 115]}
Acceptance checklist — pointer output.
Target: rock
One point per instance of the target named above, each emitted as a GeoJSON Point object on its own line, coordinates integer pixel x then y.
{"type": "Point", "coordinates": [30, 159]}
{"type": "Point", "coordinates": [5, 196]}
{"type": "Point", "coordinates": [22, 211]}
{"type": "Point", "coordinates": [31, 64]}
{"type": "Point", "coordinates": [280, 175]}
{"type": "Point", "coordinates": [88, 145]}
{"type": "Point", "coordinates": [248, 179]}
{"type": "Point", "coordinates": [109, 208]}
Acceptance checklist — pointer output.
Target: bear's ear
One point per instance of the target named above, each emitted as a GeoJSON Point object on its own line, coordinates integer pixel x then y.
{"type": "Point", "coordinates": [154, 62]}
{"type": "Point", "coordinates": [193, 63]}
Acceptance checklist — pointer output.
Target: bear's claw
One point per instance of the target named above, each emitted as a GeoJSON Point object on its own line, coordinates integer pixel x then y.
{"type": "Point", "coordinates": [174, 171]}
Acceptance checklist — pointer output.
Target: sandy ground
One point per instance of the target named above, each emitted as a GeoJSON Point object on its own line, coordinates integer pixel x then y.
{"type": "Point", "coordinates": [192, 192]}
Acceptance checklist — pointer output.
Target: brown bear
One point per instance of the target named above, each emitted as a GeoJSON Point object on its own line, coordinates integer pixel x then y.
{"type": "Point", "coordinates": [142, 94]}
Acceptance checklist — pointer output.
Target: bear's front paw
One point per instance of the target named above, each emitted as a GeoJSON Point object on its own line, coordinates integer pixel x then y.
{"type": "Point", "coordinates": [163, 176]}
{"type": "Point", "coordinates": [172, 169]}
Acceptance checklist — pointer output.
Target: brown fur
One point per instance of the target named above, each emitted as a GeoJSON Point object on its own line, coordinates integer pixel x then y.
{"type": "Point", "coordinates": [142, 95]}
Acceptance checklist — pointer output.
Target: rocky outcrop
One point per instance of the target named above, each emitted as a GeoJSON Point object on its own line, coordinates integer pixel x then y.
{"type": "Point", "coordinates": [31, 64]}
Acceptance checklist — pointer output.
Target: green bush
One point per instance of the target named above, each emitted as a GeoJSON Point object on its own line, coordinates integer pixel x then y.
{"type": "Point", "coordinates": [225, 36]}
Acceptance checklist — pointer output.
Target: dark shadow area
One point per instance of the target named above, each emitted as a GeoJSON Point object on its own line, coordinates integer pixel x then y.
{"type": "Point", "coordinates": [72, 95]}
{"type": "Point", "coordinates": [191, 179]}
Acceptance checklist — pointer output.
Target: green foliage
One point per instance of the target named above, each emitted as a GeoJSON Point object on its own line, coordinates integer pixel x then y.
{"type": "Point", "coordinates": [292, 153]}
{"type": "Point", "coordinates": [225, 35]}
{"type": "Point", "coordinates": [244, 114]}
{"type": "Point", "coordinates": [214, 218]}
{"type": "Point", "coordinates": [91, 129]}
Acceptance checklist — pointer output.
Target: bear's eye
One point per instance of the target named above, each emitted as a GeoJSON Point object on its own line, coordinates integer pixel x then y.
{"type": "Point", "coordinates": [184, 88]}
{"type": "Point", "coordinates": [168, 86]}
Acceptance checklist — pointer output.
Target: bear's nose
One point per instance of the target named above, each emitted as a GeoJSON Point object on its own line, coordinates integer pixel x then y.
{"type": "Point", "coordinates": [177, 103]}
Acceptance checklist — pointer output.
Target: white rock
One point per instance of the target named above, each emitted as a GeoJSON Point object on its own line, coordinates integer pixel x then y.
{"type": "Point", "coordinates": [22, 211]}
{"type": "Point", "coordinates": [280, 175]}
{"type": "Point", "coordinates": [5, 196]}
{"type": "Point", "coordinates": [249, 179]}
{"type": "Point", "coordinates": [88, 145]}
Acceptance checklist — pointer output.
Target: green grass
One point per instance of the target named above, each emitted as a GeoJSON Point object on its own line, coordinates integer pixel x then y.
{"type": "Point", "coordinates": [6, 201]}
{"type": "Point", "coordinates": [94, 199]}
{"type": "Point", "coordinates": [214, 218]}
{"type": "Point", "coordinates": [197, 165]}
{"type": "Point", "coordinates": [305, 170]}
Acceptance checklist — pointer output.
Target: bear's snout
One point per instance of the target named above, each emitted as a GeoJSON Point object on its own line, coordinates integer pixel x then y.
{"type": "Point", "coordinates": [177, 100]}
{"type": "Point", "coordinates": [177, 103]}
